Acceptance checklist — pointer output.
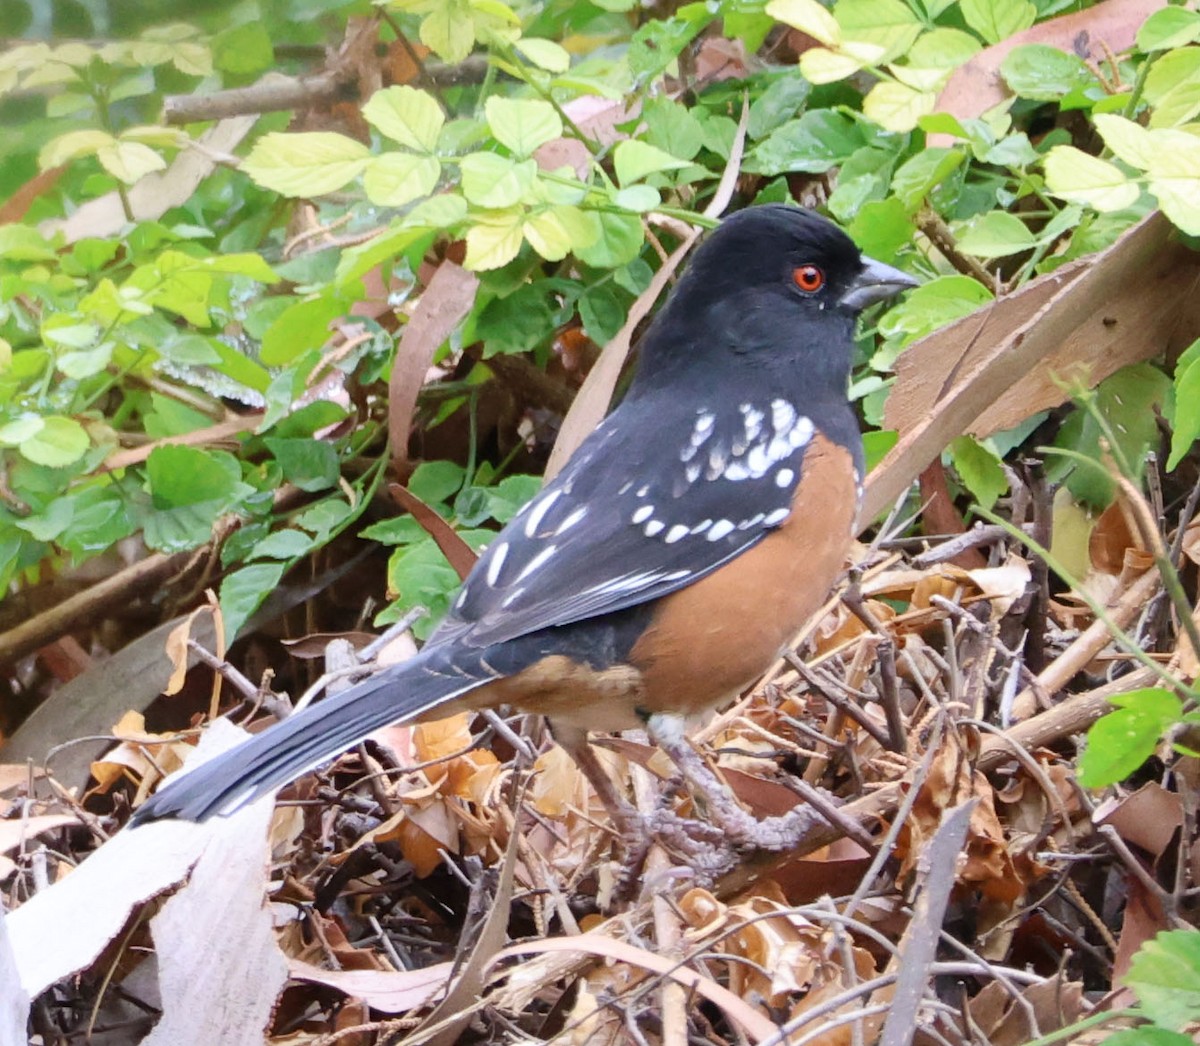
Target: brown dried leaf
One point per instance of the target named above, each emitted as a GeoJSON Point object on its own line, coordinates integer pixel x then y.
{"type": "Point", "coordinates": [1093, 34]}
{"type": "Point", "coordinates": [386, 990]}
{"type": "Point", "coordinates": [17, 831]}
{"type": "Point", "coordinates": [1148, 818]}
{"type": "Point", "coordinates": [443, 305]}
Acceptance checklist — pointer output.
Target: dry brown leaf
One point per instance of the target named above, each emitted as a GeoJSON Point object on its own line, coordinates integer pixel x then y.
{"type": "Point", "coordinates": [1147, 818]}
{"type": "Point", "coordinates": [1105, 28]}
{"type": "Point", "coordinates": [18, 831]}
{"type": "Point", "coordinates": [15, 775]}
{"type": "Point", "coordinates": [557, 783]}
{"type": "Point", "coordinates": [177, 651]}
{"type": "Point", "coordinates": [444, 303]}
{"type": "Point", "coordinates": [994, 368]}
{"type": "Point", "coordinates": [386, 990]}
{"type": "Point", "coordinates": [754, 1024]}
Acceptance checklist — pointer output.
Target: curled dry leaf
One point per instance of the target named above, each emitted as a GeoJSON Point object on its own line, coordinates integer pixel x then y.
{"type": "Point", "coordinates": [141, 755]}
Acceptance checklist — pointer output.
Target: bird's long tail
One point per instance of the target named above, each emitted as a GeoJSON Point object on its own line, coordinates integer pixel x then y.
{"type": "Point", "coordinates": [275, 757]}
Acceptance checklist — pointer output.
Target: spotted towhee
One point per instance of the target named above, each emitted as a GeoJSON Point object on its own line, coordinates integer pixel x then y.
{"type": "Point", "coordinates": [685, 542]}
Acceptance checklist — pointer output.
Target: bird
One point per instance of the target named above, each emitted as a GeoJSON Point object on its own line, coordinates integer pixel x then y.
{"type": "Point", "coordinates": [681, 547]}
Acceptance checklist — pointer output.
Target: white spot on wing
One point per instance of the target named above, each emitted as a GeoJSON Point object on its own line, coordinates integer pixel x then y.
{"type": "Point", "coordinates": [719, 529]}
{"type": "Point", "coordinates": [772, 519]}
{"type": "Point", "coordinates": [677, 533]}
{"type": "Point", "coordinates": [538, 513]}
{"type": "Point", "coordinates": [653, 527]}
{"type": "Point", "coordinates": [736, 471]}
{"type": "Point", "coordinates": [783, 416]}
{"type": "Point", "coordinates": [571, 520]}
{"type": "Point", "coordinates": [642, 514]}
{"type": "Point", "coordinates": [801, 432]}
{"type": "Point", "coordinates": [536, 562]}
{"type": "Point", "coordinates": [783, 478]}
{"type": "Point", "coordinates": [496, 563]}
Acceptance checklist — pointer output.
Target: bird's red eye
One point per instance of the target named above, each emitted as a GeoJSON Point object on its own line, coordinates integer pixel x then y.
{"type": "Point", "coordinates": [808, 278]}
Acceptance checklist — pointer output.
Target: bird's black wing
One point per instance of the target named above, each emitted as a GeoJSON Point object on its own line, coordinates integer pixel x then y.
{"type": "Point", "coordinates": [625, 524]}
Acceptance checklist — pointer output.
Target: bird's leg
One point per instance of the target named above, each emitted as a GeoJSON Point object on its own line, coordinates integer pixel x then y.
{"type": "Point", "coordinates": [700, 845]}
{"type": "Point", "coordinates": [739, 828]}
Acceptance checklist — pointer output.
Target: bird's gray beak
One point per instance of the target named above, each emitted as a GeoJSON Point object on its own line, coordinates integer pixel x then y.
{"type": "Point", "coordinates": [876, 282]}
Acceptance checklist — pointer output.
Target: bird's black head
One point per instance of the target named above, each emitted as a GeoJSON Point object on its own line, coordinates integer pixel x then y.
{"type": "Point", "coordinates": [777, 283]}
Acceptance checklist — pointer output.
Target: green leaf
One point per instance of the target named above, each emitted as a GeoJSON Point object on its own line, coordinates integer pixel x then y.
{"type": "Point", "coordinates": [619, 240]}
{"type": "Point", "coordinates": [889, 25]}
{"type": "Point", "coordinates": [178, 475]}
{"type": "Point", "coordinates": [1187, 406]}
{"type": "Point", "coordinates": [819, 140]}
{"type": "Point", "coordinates": [394, 179]}
{"type": "Point", "coordinates": [673, 127]}
{"type": "Point", "coordinates": [522, 124]}
{"type": "Point", "coordinates": [494, 239]}
{"type": "Point", "coordinates": [555, 231]}
{"type": "Point", "coordinates": [243, 50]}
{"type": "Point", "coordinates": [71, 146]}
{"type": "Point", "coordinates": [449, 30]}
{"type": "Point", "coordinates": [1173, 87]}
{"type": "Point", "coordinates": [310, 464]}
{"type": "Point", "coordinates": [306, 163]}
{"type": "Point", "coordinates": [658, 42]}
{"type": "Point", "coordinates": [80, 365]}
{"type": "Point", "coordinates": [1165, 976]}
{"type": "Point", "coordinates": [933, 305]}
{"type": "Point", "coordinates": [809, 17]}
{"type": "Point", "coordinates": [490, 180]}
{"type": "Point", "coordinates": [545, 54]}
{"type": "Point", "coordinates": [1148, 1035]}
{"type": "Point", "coordinates": [918, 177]}
{"type": "Point", "coordinates": [897, 107]}
{"type": "Point", "coordinates": [1044, 73]}
{"type": "Point", "coordinates": [129, 161]}
{"type": "Point", "coordinates": [300, 327]}
{"type": "Point", "coordinates": [518, 322]}
{"type": "Point", "coordinates": [244, 591]}
{"type": "Point", "coordinates": [780, 102]}
{"type": "Point", "coordinates": [633, 160]}
{"type": "Point", "coordinates": [943, 48]}
{"type": "Point", "coordinates": [1168, 28]}
{"type": "Point", "coordinates": [282, 544]}
{"type": "Point", "coordinates": [881, 228]}
{"type": "Point", "coordinates": [509, 496]}
{"type": "Point", "coordinates": [24, 243]}
{"type": "Point", "coordinates": [638, 198]}
{"type": "Point", "coordinates": [323, 518]}
{"type": "Point", "coordinates": [1074, 175]}
{"type": "Point", "coordinates": [997, 20]}
{"type": "Point", "coordinates": [408, 116]}
{"type": "Point", "coordinates": [996, 234]}
{"type": "Point", "coordinates": [1174, 177]}
{"type": "Point", "coordinates": [1120, 742]}
{"type": "Point", "coordinates": [603, 312]}
{"type": "Point", "coordinates": [436, 481]}
{"type": "Point", "coordinates": [49, 525]}
{"type": "Point", "coordinates": [57, 443]}
{"type": "Point", "coordinates": [980, 469]}
{"type": "Point", "coordinates": [1130, 142]}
